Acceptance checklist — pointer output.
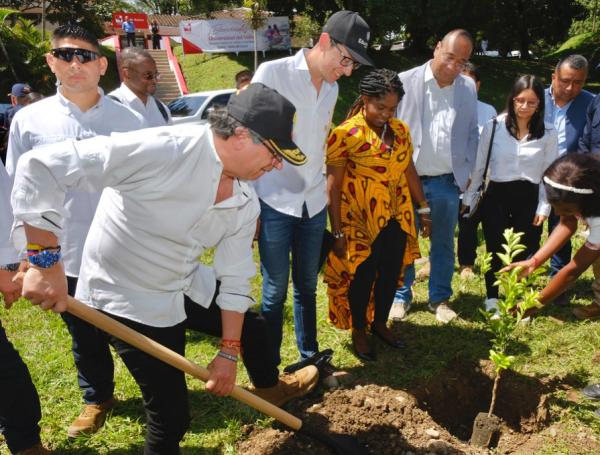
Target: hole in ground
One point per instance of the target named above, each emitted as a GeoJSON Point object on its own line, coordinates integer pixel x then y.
{"type": "Point", "coordinates": [455, 397]}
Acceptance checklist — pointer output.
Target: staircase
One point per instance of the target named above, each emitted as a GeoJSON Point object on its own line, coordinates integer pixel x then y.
{"type": "Point", "coordinates": [167, 89]}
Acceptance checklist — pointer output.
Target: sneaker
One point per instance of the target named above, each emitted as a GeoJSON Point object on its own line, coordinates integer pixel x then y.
{"type": "Point", "coordinates": [592, 391]}
{"type": "Point", "coordinates": [37, 449]}
{"type": "Point", "coordinates": [591, 311]}
{"type": "Point", "coordinates": [399, 310]}
{"type": "Point", "coordinates": [443, 313]}
{"type": "Point", "coordinates": [290, 386]}
{"type": "Point", "coordinates": [466, 272]}
{"type": "Point", "coordinates": [491, 304]}
{"type": "Point", "coordinates": [91, 418]}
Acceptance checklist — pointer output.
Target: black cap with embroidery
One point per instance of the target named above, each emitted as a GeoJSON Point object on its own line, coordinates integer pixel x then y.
{"type": "Point", "coordinates": [270, 115]}
{"type": "Point", "coordinates": [351, 30]}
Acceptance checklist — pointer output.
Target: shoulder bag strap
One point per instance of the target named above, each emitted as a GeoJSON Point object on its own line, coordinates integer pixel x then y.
{"type": "Point", "coordinates": [489, 154]}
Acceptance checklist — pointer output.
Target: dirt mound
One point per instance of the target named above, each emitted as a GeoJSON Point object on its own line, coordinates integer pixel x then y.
{"type": "Point", "coordinates": [436, 418]}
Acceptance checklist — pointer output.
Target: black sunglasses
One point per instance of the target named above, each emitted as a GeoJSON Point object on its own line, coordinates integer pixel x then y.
{"type": "Point", "coordinates": [67, 53]}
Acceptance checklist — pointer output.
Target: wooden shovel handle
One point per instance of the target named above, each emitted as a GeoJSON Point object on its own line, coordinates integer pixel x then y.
{"type": "Point", "coordinates": [174, 359]}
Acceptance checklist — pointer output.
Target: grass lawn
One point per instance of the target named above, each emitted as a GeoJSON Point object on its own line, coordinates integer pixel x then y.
{"type": "Point", "coordinates": [555, 344]}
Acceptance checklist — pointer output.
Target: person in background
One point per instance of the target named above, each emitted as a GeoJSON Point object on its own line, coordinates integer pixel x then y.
{"type": "Point", "coordinates": [566, 106]}
{"type": "Point", "coordinates": [20, 410]}
{"type": "Point", "coordinates": [243, 78]}
{"type": "Point", "coordinates": [129, 29]}
{"type": "Point", "coordinates": [467, 227]}
{"type": "Point", "coordinates": [140, 80]}
{"type": "Point", "coordinates": [523, 147]}
{"type": "Point", "coordinates": [18, 99]}
{"type": "Point", "coordinates": [293, 202]}
{"type": "Point", "coordinates": [79, 110]}
{"type": "Point", "coordinates": [33, 97]}
{"type": "Point", "coordinates": [371, 181]}
{"type": "Point", "coordinates": [440, 109]}
{"type": "Point", "coordinates": [155, 29]}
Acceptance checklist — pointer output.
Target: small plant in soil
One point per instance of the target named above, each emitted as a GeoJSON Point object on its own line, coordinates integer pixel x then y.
{"type": "Point", "coordinates": [517, 297]}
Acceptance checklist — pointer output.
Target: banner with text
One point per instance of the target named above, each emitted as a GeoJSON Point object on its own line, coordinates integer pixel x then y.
{"type": "Point", "coordinates": [233, 35]}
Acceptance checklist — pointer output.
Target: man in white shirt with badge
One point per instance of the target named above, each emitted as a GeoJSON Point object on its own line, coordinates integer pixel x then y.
{"type": "Point", "coordinates": [169, 194]}
{"type": "Point", "coordinates": [294, 202]}
{"type": "Point", "coordinates": [79, 110]}
{"type": "Point", "coordinates": [140, 79]}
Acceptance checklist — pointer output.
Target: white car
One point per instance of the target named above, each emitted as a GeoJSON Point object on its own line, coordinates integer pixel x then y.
{"type": "Point", "coordinates": [194, 107]}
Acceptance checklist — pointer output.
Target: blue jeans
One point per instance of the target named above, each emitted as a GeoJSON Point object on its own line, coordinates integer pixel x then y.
{"type": "Point", "coordinates": [280, 234]}
{"type": "Point", "coordinates": [562, 256]}
{"type": "Point", "coordinates": [442, 194]}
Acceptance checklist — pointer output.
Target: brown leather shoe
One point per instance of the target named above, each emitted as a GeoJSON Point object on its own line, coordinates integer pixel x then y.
{"type": "Point", "coordinates": [37, 449]}
{"type": "Point", "coordinates": [293, 385]}
{"type": "Point", "coordinates": [591, 311]}
{"type": "Point", "coordinates": [90, 420]}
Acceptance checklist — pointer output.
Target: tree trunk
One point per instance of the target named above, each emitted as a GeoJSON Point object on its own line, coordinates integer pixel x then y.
{"type": "Point", "coordinates": [255, 52]}
{"type": "Point", "coordinates": [494, 393]}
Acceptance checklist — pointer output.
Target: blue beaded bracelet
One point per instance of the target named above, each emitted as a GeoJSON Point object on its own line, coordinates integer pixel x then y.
{"type": "Point", "coordinates": [45, 259]}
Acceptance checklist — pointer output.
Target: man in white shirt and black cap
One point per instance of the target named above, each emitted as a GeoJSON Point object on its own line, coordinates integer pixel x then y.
{"type": "Point", "coordinates": [294, 201]}
{"type": "Point", "coordinates": [168, 194]}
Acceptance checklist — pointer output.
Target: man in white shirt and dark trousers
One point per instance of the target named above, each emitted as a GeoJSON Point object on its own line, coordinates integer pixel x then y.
{"type": "Point", "coordinates": [77, 111]}
{"type": "Point", "coordinates": [566, 107]}
{"type": "Point", "coordinates": [140, 79]}
{"type": "Point", "coordinates": [169, 194]}
{"type": "Point", "coordinates": [20, 410]}
{"type": "Point", "coordinates": [294, 202]}
{"type": "Point", "coordinates": [440, 108]}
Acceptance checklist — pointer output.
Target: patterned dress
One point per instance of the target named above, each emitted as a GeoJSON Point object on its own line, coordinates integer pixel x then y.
{"type": "Point", "coordinates": [374, 190]}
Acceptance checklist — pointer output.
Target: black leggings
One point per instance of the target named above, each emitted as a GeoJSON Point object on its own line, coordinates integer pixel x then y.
{"type": "Point", "coordinates": [509, 205]}
{"type": "Point", "coordinates": [382, 268]}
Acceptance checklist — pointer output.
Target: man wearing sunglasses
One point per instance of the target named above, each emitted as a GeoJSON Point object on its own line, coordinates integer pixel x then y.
{"type": "Point", "coordinates": [140, 79]}
{"type": "Point", "coordinates": [169, 193]}
{"type": "Point", "coordinates": [293, 201]}
{"type": "Point", "coordinates": [79, 110]}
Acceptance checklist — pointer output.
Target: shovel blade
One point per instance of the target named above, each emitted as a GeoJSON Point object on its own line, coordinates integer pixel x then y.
{"type": "Point", "coordinates": [340, 444]}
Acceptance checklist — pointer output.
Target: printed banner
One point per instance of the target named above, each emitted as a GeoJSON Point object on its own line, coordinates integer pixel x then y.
{"type": "Point", "coordinates": [140, 20]}
{"type": "Point", "coordinates": [233, 35]}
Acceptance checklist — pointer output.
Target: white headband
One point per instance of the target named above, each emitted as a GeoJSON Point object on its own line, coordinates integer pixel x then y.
{"type": "Point", "coordinates": [572, 189]}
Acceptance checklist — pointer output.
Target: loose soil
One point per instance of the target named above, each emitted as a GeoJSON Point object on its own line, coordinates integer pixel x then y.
{"type": "Point", "coordinates": [436, 418]}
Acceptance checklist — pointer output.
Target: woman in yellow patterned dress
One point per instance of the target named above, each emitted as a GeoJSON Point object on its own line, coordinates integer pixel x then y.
{"type": "Point", "coordinates": [370, 180]}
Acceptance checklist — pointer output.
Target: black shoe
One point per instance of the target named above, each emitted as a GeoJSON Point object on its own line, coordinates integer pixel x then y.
{"type": "Point", "coordinates": [368, 356]}
{"type": "Point", "coordinates": [317, 359]}
{"type": "Point", "coordinates": [396, 344]}
{"type": "Point", "coordinates": [592, 391]}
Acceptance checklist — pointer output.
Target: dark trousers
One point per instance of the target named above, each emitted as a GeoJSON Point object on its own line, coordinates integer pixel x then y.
{"type": "Point", "coordinates": [509, 204]}
{"type": "Point", "coordinates": [381, 270]}
{"type": "Point", "coordinates": [163, 387]}
{"type": "Point", "coordinates": [131, 39]}
{"type": "Point", "coordinates": [155, 41]}
{"type": "Point", "coordinates": [91, 353]}
{"type": "Point", "coordinates": [258, 352]}
{"type": "Point", "coordinates": [19, 403]}
{"type": "Point", "coordinates": [467, 238]}
{"type": "Point", "coordinates": [562, 256]}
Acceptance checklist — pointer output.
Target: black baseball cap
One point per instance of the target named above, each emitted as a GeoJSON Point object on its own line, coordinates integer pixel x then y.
{"type": "Point", "coordinates": [351, 30]}
{"type": "Point", "coordinates": [270, 115]}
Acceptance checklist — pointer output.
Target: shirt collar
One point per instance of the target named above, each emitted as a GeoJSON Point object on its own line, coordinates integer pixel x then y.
{"type": "Point", "coordinates": [565, 107]}
{"type": "Point", "coordinates": [128, 94]}
{"type": "Point", "coordinates": [429, 78]}
{"type": "Point", "coordinates": [69, 106]}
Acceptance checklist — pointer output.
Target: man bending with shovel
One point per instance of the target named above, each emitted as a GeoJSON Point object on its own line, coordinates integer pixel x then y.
{"type": "Point", "coordinates": [169, 194]}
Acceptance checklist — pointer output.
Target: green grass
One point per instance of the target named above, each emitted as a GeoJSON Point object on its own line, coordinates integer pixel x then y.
{"type": "Point", "coordinates": [555, 344]}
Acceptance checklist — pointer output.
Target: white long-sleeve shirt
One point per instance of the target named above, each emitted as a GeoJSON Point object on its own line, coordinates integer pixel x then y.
{"type": "Point", "coordinates": [8, 254]}
{"type": "Point", "coordinates": [149, 111]}
{"type": "Point", "coordinates": [56, 119]}
{"type": "Point", "coordinates": [512, 160]}
{"type": "Point", "coordinates": [156, 216]}
{"type": "Point", "coordinates": [287, 190]}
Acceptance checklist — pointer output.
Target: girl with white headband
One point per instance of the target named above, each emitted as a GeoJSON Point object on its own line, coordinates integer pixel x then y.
{"type": "Point", "coordinates": [572, 185]}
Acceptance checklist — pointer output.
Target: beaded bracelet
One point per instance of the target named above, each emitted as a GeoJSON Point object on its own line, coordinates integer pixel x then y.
{"type": "Point", "coordinates": [44, 259]}
{"type": "Point", "coordinates": [233, 358]}
{"type": "Point", "coordinates": [424, 211]}
{"type": "Point", "coordinates": [338, 234]}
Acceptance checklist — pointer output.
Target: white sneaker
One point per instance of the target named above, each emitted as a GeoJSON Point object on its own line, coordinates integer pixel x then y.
{"type": "Point", "coordinates": [491, 304]}
{"type": "Point", "coordinates": [443, 313]}
{"type": "Point", "coordinates": [399, 310]}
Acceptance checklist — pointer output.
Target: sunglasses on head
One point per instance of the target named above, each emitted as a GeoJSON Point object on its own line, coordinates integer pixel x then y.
{"type": "Point", "coordinates": [66, 54]}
